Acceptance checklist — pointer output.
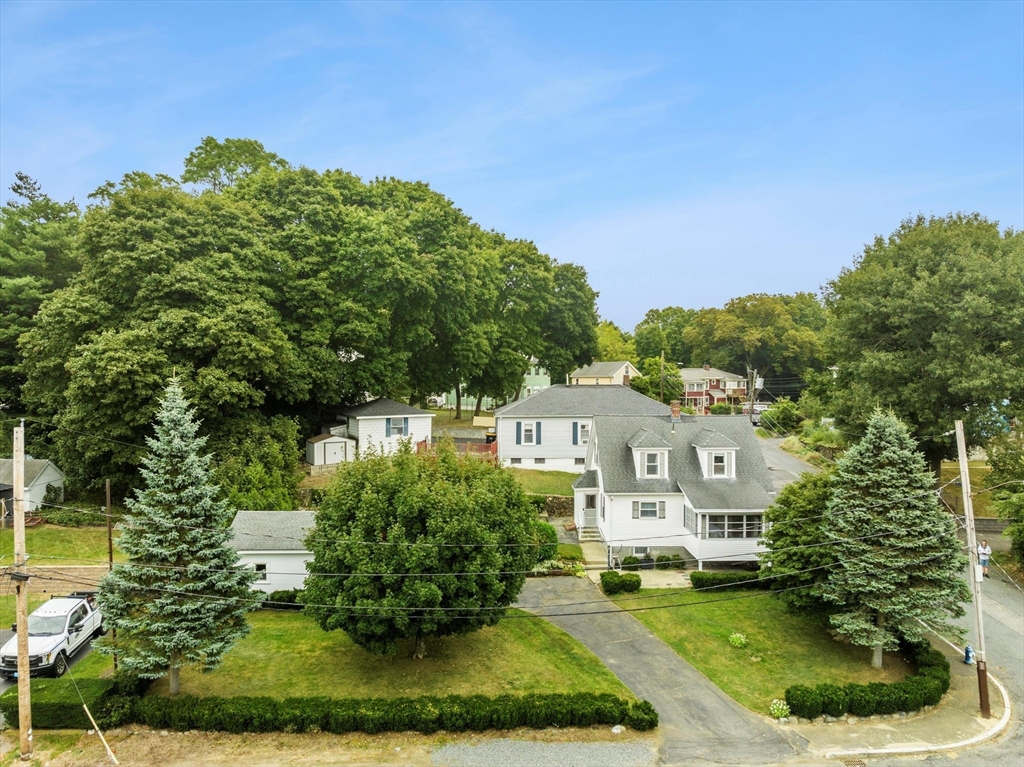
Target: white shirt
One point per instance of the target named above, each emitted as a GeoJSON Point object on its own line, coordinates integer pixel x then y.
{"type": "Point", "coordinates": [984, 552]}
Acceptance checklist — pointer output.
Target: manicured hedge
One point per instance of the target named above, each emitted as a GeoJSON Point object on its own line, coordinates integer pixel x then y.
{"type": "Point", "coordinates": [631, 563]}
{"type": "Point", "coordinates": [55, 702]}
{"type": "Point", "coordinates": [613, 582]}
{"type": "Point", "coordinates": [727, 581]}
{"type": "Point", "coordinates": [547, 538]}
{"type": "Point", "coordinates": [454, 713]}
{"type": "Point", "coordinates": [924, 688]}
{"type": "Point", "coordinates": [668, 561]}
{"type": "Point", "coordinates": [285, 599]}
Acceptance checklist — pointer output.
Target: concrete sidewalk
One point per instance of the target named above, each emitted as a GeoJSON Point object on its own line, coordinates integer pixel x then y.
{"type": "Point", "coordinates": [956, 718]}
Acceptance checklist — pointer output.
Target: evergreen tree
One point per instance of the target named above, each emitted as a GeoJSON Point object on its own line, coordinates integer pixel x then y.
{"type": "Point", "coordinates": [180, 599]}
{"type": "Point", "coordinates": [798, 554]}
{"type": "Point", "coordinates": [898, 553]}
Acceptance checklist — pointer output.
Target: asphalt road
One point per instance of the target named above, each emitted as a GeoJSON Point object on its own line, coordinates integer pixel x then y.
{"type": "Point", "coordinates": [785, 468]}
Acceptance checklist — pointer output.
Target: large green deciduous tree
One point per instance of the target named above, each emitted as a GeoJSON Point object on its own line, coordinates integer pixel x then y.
{"type": "Point", "coordinates": [457, 533]}
{"type": "Point", "coordinates": [180, 599]}
{"type": "Point", "coordinates": [899, 558]}
{"type": "Point", "coordinates": [797, 554]}
{"type": "Point", "coordinates": [614, 344]}
{"type": "Point", "coordinates": [662, 330]}
{"type": "Point", "coordinates": [37, 257]}
{"type": "Point", "coordinates": [222, 164]}
{"type": "Point", "coordinates": [775, 334]}
{"type": "Point", "coordinates": [930, 323]}
{"type": "Point", "coordinates": [570, 327]}
{"type": "Point", "coordinates": [1006, 483]}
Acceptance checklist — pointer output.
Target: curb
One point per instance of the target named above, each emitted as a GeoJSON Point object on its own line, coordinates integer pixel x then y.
{"type": "Point", "coordinates": [994, 730]}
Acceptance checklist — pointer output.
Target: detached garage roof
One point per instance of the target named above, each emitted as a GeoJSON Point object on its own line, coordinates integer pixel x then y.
{"type": "Point", "coordinates": [271, 530]}
{"type": "Point", "coordinates": [33, 468]}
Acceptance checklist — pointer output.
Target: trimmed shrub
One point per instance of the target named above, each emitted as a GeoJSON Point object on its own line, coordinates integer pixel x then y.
{"type": "Point", "coordinates": [631, 563]}
{"type": "Point", "coordinates": [428, 714]}
{"type": "Point", "coordinates": [630, 582]}
{"type": "Point", "coordinates": [859, 700]}
{"type": "Point", "coordinates": [727, 581]}
{"type": "Point", "coordinates": [833, 699]}
{"type": "Point", "coordinates": [547, 539]}
{"type": "Point", "coordinates": [55, 702]}
{"type": "Point", "coordinates": [613, 582]}
{"type": "Point", "coordinates": [285, 599]}
{"type": "Point", "coordinates": [668, 562]}
{"type": "Point", "coordinates": [803, 701]}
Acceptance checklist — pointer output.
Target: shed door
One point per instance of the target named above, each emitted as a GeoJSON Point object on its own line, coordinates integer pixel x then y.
{"type": "Point", "coordinates": [333, 452]}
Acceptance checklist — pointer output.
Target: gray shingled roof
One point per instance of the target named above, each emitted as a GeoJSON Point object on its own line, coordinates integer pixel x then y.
{"type": "Point", "coordinates": [749, 491]}
{"type": "Point", "coordinates": [699, 374]}
{"type": "Point", "coordinates": [647, 438]}
{"type": "Point", "coordinates": [586, 480]}
{"type": "Point", "coordinates": [271, 530]}
{"type": "Point", "coordinates": [563, 400]}
{"type": "Point", "coordinates": [599, 369]}
{"type": "Point", "coordinates": [383, 408]}
{"type": "Point", "coordinates": [711, 438]}
{"type": "Point", "coordinates": [33, 468]}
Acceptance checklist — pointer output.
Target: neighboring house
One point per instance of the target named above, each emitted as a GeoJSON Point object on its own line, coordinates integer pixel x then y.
{"type": "Point", "coordinates": [535, 379]}
{"type": "Point", "coordinates": [604, 374]}
{"type": "Point", "coordinates": [674, 484]}
{"type": "Point", "coordinates": [272, 544]}
{"type": "Point", "coordinates": [551, 429]}
{"type": "Point", "coordinates": [709, 386]}
{"type": "Point", "coordinates": [380, 425]}
{"type": "Point", "coordinates": [39, 475]}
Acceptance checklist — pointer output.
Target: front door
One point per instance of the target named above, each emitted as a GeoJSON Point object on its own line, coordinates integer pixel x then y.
{"type": "Point", "coordinates": [590, 511]}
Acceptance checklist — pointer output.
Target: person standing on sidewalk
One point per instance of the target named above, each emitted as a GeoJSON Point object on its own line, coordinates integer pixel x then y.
{"type": "Point", "coordinates": [984, 552]}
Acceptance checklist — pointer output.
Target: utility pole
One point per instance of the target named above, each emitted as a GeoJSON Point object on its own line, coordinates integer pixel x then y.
{"type": "Point", "coordinates": [753, 383]}
{"type": "Point", "coordinates": [20, 577]}
{"type": "Point", "coordinates": [110, 558]}
{"type": "Point", "coordinates": [662, 376]}
{"type": "Point", "coordinates": [974, 576]}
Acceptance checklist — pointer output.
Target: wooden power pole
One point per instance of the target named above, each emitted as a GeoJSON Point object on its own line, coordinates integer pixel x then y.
{"type": "Point", "coordinates": [20, 577]}
{"type": "Point", "coordinates": [110, 558]}
{"type": "Point", "coordinates": [975, 570]}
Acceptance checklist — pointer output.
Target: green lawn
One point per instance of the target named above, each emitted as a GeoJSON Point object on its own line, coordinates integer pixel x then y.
{"type": "Point", "coordinates": [978, 471]}
{"type": "Point", "coordinates": [570, 551]}
{"type": "Point", "coordinates": [287, 654]}
{"type": "Point", "coordinates": [783, 649]}
{"type": "Point", "coordinates": [78, 545]}
{"type": "Point", "coordinates": [546, 482]}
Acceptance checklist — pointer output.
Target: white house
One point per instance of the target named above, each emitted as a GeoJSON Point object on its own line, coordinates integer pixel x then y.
{"type": "Point", "coordinates": [604, 374]}
{"type": "Point", "coordinates": [39, 475]}
{"type": "Point", "coordinates": [674, 485]}
{"type": "Point", "coordinates": [550, 430]}
{"type": "Point", "coordinates": [381, 424]}
{"type": "Point", "coordinates": [271, 543]}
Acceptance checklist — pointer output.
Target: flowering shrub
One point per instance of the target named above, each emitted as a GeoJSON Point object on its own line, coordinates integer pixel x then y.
{"type": "Point", "coordinates": [778, 709]}
{"type": "Point", "coordinates": [737, 640]}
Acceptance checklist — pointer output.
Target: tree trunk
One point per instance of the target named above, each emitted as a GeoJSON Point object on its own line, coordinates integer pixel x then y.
{"type": "Point", "coordinates": [172, 676]}
{"type": "Point", "coordinates": [458, 401]}
{"type": "Point", "coordinates": [479, 402]}
{"type": "Point", "coordinates": [421, 647]}
{"type": "Point", "coordinates": [876, 655]}
{"type": "Point", "coordinates": [518, 391]}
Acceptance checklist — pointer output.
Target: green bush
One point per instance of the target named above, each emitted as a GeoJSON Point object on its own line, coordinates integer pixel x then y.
{"type": "Point", "coordinates": [726, 581]}
{"type": "Point", "coordinates": [538, 502]}
{"type": "Point", "coordinates": [833, 699]}
{"type": "Point", "coordinates": [803, 701]}
{"type": "Point", "coordinates": [925, 688]}
{"type": "Point", "coordinates": [454, 713]}
{"type": "Point", "coordinates": [611, 582]}
{"type": "Point", "coordinates": [630, 582]}
{"type": "Point", "coordinates": [547, 540]}
{"type": "Point", "coordinates": [55, 702]}
{"type": "Point", "coordinates": [285, 599]}
{"type": "Point", "coordinates": [668, 562]}
{"type": "Point", "coordinates": [783, 415]}
{"type": "Point", "coordinates": [631, 563]}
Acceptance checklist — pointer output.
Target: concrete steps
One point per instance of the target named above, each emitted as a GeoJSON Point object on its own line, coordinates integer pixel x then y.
{"type": "Point", "coordinates": [587, 534]}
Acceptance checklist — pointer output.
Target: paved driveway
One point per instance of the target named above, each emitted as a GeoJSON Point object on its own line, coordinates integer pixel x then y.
{"type": "Point", "coordinates": [6, 634]}
{"type": "Point", "coordinates": [699, 724]}
{"type": "Point", "coordinates": [784, 467]}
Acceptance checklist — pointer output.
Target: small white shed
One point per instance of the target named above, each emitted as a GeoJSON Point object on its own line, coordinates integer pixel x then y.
{"type": "Point", "coordinates": [40, 474]}
{"type": "Point", "coordinates": [272, 544]}
{"type": "Point", "coordinates": [329, 449]}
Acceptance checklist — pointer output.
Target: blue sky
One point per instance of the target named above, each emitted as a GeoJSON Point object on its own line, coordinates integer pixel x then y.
{"type": "Point", "coordinates": [684, 153]}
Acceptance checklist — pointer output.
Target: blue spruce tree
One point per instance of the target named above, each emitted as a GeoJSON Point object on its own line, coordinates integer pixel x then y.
{"type": "Point", "coordinates": [181, 598]}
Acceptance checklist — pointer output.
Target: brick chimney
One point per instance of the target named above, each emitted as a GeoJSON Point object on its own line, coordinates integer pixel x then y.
{"type": "Point", "coordinates": [677, 413]}
{"type": "Point", "coordinates": [707, 367]}
{"type": "Point", "coordinates": [625, 380]}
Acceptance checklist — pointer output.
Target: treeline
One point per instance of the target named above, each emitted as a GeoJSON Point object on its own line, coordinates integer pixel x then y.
{"type": "Point", "coordinates": [927, 323]}
{"type": "Point", "coordinates": [277, 295]}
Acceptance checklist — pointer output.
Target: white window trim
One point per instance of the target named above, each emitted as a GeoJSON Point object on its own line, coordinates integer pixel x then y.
{"type": "Point", "coordinates": [263, 574]}
{"type": "Point", "coordinates": [584, 433]}
{"type": "Point", "coordinates": [528, 428]}
{"type": "Point", "coordinates": [647, 465]}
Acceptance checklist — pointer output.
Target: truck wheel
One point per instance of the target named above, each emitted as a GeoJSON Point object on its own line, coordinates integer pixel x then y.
{"type": "Point", "coordinates": [60, 665]}
{"type": "Point", "coordinates": [101, 631]}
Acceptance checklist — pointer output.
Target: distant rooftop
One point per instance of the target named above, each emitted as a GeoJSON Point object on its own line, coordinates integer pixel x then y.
{"type": "Point", "coordinates": [383, 408]}
{"type": "Point", "coordinates": [271, 530]}
{"type": "Point", "coordinates": [600, 369]}
{"type": "Point", "coordinates": [564, 400]}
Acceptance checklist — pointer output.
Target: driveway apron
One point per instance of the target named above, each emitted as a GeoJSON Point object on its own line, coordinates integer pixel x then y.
{"type": "Point", "coordinates": [698, 723]}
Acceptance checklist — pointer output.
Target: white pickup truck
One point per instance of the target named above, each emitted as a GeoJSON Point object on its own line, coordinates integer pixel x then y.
{"type": "Point", "coordinates": [56, 631]}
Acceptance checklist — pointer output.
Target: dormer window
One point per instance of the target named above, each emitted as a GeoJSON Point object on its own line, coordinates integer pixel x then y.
{"type": "Point", "coordinates": [719, 467]}
{"type": "Point", "coordinates": [652, 465]}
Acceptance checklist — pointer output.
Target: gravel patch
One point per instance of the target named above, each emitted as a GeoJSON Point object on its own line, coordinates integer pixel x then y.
{"type": "Point", "coordinates": [520, 753]}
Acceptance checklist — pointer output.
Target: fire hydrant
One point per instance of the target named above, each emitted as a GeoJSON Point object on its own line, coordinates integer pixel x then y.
{"type": "Point", "coordinates": [968, 654]}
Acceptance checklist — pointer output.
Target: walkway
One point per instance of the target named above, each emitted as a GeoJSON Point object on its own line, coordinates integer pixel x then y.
{"type": "Point", "coordinates": [699, 724]}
